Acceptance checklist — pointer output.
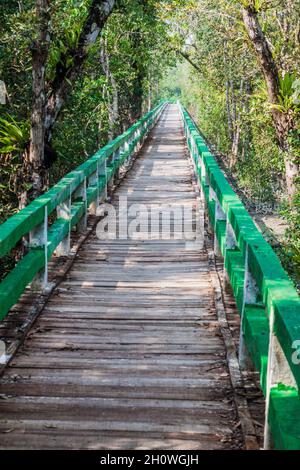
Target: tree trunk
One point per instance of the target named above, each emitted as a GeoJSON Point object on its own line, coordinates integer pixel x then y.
{"type": "Point", "coordinates": [39, 48]}
{"type": "Point", "coordinates": [67, 71]}
{"type": "Point", "coordinates": [237, 124]}
{"type": "Point", "coordinates": [227, 91]}
{"type": "Point", "coordinates": [112, 97]}
{"type": "Point", "coordinates": [228, 109]}
{"type": "Point", "coordinates": [282, 121]}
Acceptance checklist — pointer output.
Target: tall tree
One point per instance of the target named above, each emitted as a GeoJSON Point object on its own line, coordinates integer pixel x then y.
{"type": "Point", "coordinates": [40, 49]}
{"type": "Point", "coordinates": [283, 119]}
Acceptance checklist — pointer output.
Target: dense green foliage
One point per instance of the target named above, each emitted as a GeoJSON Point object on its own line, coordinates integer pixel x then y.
{"type": "Point", "coordinates": [124, 64]}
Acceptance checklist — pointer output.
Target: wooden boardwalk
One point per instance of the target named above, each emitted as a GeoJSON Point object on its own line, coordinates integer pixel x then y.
{"type": "Point", "coordinates": [128, 353]}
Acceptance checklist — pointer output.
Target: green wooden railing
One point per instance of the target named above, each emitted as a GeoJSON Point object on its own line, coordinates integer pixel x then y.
{"type": "Point", "coordinates": [68, 203]}
{"type": "Point", "coordinates": [267, 301]}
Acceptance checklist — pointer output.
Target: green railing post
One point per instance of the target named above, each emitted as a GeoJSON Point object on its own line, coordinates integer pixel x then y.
{"type": "Point", "coordinates": [80, 197]}
{"type": "Point", "coordinates": [63, 211]}
{"type": "Point", "coordinates": [230, 244]}
{"type": "Point", "coordinates": [103, 176]}
{"type": "Point", "coordinates": [93, 184]}
{"type": "Point", "coordinates": [278, 373]}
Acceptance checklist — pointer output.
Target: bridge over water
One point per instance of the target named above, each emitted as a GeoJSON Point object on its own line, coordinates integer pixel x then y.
{"type": "Point", "coordinates": [155, 333]}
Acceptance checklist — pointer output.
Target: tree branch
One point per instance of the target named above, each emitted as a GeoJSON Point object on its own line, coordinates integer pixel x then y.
{"type": "Point", "coordinates": [187, 57]}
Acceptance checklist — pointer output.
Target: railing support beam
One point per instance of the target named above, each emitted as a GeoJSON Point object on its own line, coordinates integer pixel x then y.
{"type": "Point", "coordinates": [63, 211]}
{"type": "Point", "coordinates": [38, 240]}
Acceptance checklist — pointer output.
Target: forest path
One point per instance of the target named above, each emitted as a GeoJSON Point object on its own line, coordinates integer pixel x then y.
{"type": "Point", "coordinates": [128, 353]}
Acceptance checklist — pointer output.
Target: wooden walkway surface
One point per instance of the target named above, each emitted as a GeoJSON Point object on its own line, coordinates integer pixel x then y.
{"type": "Point", "coordinates": [128, 353]}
